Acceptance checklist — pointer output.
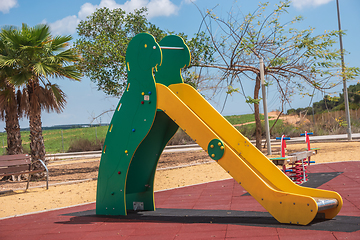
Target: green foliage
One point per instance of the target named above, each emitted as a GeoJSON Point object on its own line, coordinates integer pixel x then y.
{"type": "Point", "coordinates": [35, 54]}
{"type": "Point", "coordinates": [252, 101]}
{"type": "Point", "coordinates": [181, 138]}
{"type": "Point", "coordinates": [103, 40]}
{"type": "Point", "coordinates": [36, 57]}
{"type": "Point", "coordinates": [83, 144]}
{"type": "Point", "coordinates": [201, 49]}
{"type": "Point", "coordinates": [202, 52]}
{"type": "Point", "coordinates": [231, 90]}
{"type": "Point", "coordinates": [102, 43]}
{"type": "Point", "coordinates": [334, 103]}
{"type": "Point", "coordinates": [296, 60]}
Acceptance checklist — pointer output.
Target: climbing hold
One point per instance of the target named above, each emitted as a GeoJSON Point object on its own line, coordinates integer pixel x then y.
{"type": "Point", "coordinates": [145, 46]}
{"type": "Point", "coordinates": [143, 93]}
{"type": "Point", "coordinates": [126, 151]}
{"type": "Point", "coordinates": [142, 102]}
{"type": "Point", "coordinates": [133, 130]}
{"type": "Point", "coordinates": [216, 149]}
{"type": "Point", "coordinates": [149, 92]}
{"type": "Point", "coordinates": [119, 172]}
{"type": "Point", "coordinates": [112, 193]}
{"type": "Point", "coordinates": [149, 101]}
{"type": "Point", "coordinates": [154, 47]}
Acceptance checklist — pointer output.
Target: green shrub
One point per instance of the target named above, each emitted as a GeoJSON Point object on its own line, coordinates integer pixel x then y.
{"type": "Point", "coordinates": [180, 138]}
{"type": "Point", "coordinates": [83, 145]}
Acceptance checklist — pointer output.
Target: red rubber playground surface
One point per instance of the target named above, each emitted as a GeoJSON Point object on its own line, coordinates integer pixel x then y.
{"type": "Point", "coordinates": [216, 210]}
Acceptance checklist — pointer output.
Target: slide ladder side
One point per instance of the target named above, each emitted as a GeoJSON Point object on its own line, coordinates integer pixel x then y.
{"type": "Point", "coordinates": [129, 126]}
{"type": "Point", "coordinates": [285, 207]}
{"type": "Point", "coordinates": [141, 173]}
{"type": "Point", "coordinates": [248, 152]}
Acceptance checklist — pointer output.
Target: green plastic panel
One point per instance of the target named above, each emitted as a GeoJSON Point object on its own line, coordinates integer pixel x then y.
{"type": "Point", "coordinates": [216, 149]}
{"type": "Point", "coordinates": [176, 55]}
{"type": "Point", "coordinates": [138, 132]}
{"type": "Point", "coordinates": [130, 124]}
{"type": "Point", "coordinates": [140, 181]}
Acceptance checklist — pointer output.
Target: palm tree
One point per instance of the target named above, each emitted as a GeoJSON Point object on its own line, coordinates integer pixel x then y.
{"type": "Point", "coordinates": [9, 106]}
{"type": "Point", "coordinates": [9, 112]}
{"type": "Point", "coordinates": [39, 58]}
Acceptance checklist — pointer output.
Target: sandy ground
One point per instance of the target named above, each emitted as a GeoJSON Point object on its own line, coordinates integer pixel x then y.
{"type": "Point", "coordinates": [40, 199]}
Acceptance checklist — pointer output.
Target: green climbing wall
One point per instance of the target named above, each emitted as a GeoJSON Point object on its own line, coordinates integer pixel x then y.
{"type": "Point", "coordinates": [138, 132]}
{"type": "Point", "coordinates": [130, 124]}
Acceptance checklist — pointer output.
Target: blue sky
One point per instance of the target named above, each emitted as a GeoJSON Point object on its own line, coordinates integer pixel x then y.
{"type": "Point", "coordinates": [85, 102]}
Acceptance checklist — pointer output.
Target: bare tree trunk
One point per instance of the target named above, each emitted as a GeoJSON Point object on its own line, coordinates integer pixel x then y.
{"type": "Point", "coordinates": [37, 147]}
{"type": "Point", "coordinates": [257, 114]}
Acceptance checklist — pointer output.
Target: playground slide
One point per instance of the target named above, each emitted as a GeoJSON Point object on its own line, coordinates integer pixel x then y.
{"type": "Point", "coordinates": [285, 200]}
{"type": "Point", "coordinates": [148, 115]}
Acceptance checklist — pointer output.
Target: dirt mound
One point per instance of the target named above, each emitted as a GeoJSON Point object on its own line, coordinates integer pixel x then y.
{"type": "Point", "coordinates": [290, 119]}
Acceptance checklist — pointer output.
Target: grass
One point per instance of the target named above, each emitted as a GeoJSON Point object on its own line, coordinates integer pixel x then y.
{"type": "Point", "coordinates": [53, 138]}
{"type": "Point", "coordinates": [75, 139]}
{"type": "Point", "coordinates": [85, 138]}
{"type": "Point", "coordinates": [240, 119]}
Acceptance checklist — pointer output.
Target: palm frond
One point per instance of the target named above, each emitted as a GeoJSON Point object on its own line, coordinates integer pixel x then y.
{"type": "Point", "coordinates": [68, 55]}
{"type": "Point", "coordinates": [21, 78]}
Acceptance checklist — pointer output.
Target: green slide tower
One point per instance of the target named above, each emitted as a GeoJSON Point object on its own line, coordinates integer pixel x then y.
{"type": "Point", "coordinates": [138, 131]}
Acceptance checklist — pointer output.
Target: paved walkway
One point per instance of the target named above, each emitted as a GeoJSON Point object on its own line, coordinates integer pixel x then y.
{"type": "Point", "coordinates": [216, 210]}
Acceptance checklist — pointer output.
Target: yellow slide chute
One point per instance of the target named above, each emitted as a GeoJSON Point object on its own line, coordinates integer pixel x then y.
{"type": "Point", "coordinates": [286, 201]}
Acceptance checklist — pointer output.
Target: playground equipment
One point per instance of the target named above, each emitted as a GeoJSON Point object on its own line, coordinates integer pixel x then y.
{"type": "Point", "coordinates": [148, 115]}
{"type": "Point", "coordinates": [298, 161]}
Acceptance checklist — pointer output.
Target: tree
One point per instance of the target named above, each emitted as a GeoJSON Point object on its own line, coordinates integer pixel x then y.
{"type": "Point", "coordinates": [9, 106]}
{"type": "Point", "coordinates": [103, 40]}
{"type": "Point", "coordinates": [102, 43]}
{"type": "Point", "coordinates": [39, 57]}
{"type": "Point", "coordinates": [294, 59]}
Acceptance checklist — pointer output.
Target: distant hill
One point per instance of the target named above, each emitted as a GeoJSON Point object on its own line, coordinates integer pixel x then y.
{"type": "Point", "coordinates": [68, 126]}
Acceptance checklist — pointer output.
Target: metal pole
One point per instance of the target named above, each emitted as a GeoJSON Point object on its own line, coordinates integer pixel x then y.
{"type": "Point", "coordinates": [262, 77]}
{"type": "Point", "coordinates": [313, 113]}
{"type": "Point", "coordinates": [95, 134]}
{"type": "Point", "coordinates": [346, 97]}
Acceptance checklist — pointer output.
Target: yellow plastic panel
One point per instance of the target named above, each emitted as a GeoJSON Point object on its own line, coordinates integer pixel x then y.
{"type": "Point", "coordinates": [255, 159]}
{"type": "Point", "coordinates": [285, 207]}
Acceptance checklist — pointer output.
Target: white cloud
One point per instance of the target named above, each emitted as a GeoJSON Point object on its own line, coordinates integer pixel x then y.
{"type": "Point", "coordinates": [161, 8]}
{"type": "Point", "coordinates": [6, 5]}
{"type": "Point", "coordinates": [155, 8]}
{"type": "Point", "coordinates": [188, 1]}
{"type": "Point", "coordinates": [85, 10]}
{"type": "Point", "coordinates": [299, 4]}
{"type": "Point", "coordinates": [66, 25]}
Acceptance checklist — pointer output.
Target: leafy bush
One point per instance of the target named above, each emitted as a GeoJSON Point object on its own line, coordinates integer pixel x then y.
{"type": "Point", "coordinates": [180, 138]}
{"type": "Point", "coordinates": [83, 145]}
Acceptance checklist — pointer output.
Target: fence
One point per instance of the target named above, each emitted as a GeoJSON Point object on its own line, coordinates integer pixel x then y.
{"type": "Point", "coordinates": [337, 116]}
